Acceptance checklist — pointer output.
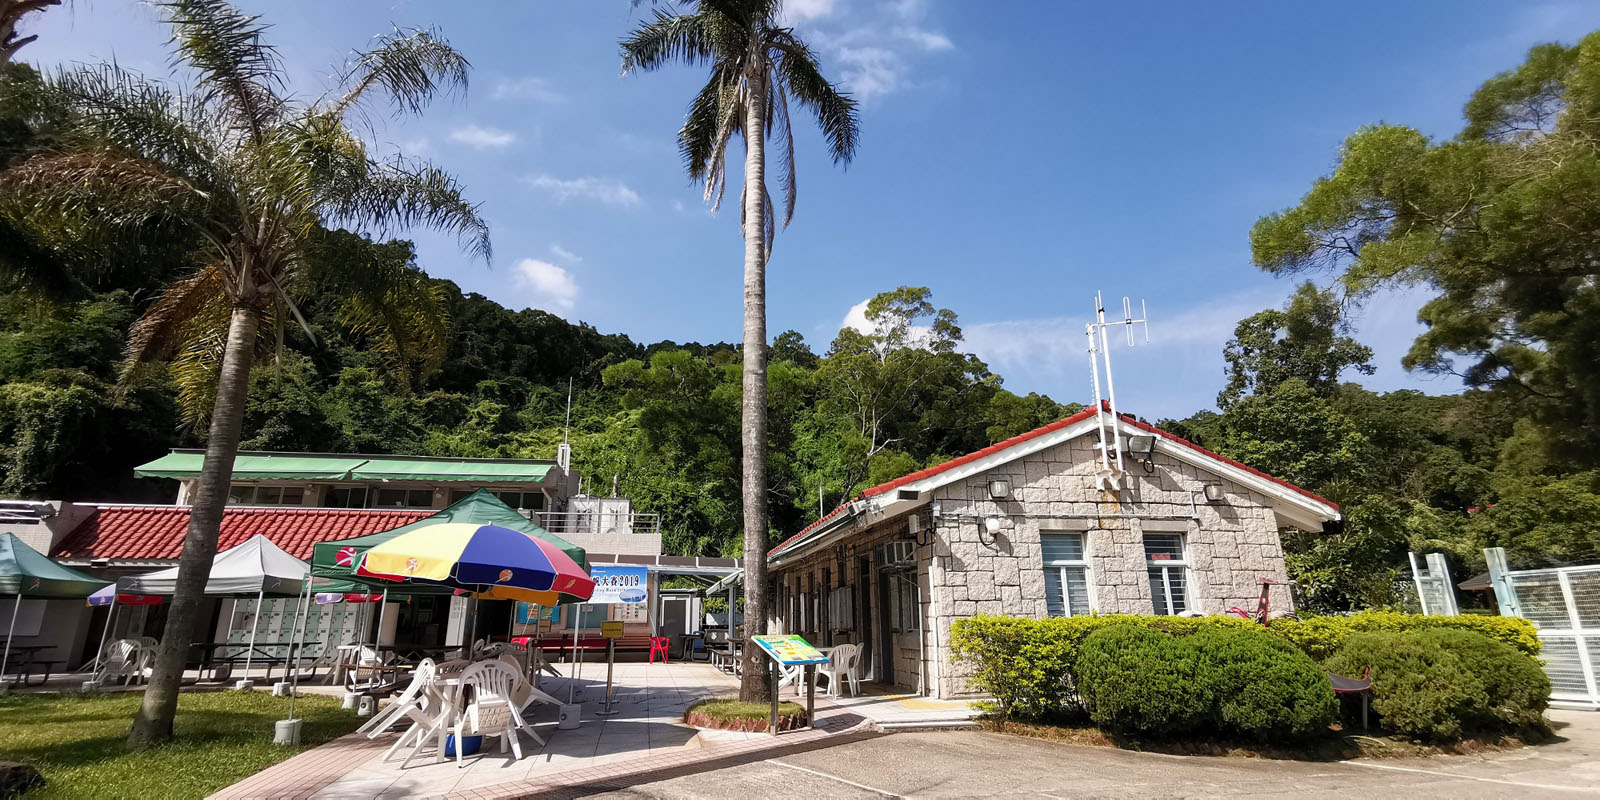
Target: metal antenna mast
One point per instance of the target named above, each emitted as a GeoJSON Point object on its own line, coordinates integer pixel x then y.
{"type": "Point", "coordinates": [1100, 353]}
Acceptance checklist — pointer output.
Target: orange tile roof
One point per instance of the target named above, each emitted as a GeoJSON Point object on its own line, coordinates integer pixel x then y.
{"type": "Point", "coordinates": [1019, 439]}
{"type": "Point", "coordinates": [156, 532]}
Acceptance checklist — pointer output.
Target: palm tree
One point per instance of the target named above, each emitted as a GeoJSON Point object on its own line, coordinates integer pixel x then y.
{"type": "Point", "coordinates": [756, 65]}
{"type": "Point", "coordinates": [11, 14]}
{"type": "Point", "coordinates": [254, 175]}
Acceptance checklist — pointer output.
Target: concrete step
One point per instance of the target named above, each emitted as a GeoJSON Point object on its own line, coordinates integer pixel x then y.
{"type": "Point", "coordinates": [926, 725]}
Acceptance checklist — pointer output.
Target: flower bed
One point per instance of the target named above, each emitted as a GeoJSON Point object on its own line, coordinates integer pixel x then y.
{"type": "Point", "coordinates": [729, 714]}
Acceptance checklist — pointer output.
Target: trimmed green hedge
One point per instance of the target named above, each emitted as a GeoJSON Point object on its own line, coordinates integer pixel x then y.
{"type": "Point", "coordinates": [1028, 665]}
{"type": "Point", "coordinates": [1441, 684]}
{"type": "Point", "coordinates": [1321, 637]}
{"type": "Point", "coordinates": [1219, 679]}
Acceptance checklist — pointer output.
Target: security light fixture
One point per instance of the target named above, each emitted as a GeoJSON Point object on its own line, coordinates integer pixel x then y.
{"type": "Point", "coordinates": [999, 489]}
{"type": "Point", "coordinates": [1213, 492]}
{"type": "Point", "coordinates": [1141, 446]}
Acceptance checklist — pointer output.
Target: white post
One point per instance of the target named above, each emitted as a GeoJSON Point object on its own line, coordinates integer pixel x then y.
{"type": "Point", "coordinates": [572, 681]}
{"type": "Point", "coordinates": [299, 639]}
{"type": "Point", "coordinates": [1099, 416]}
{"type": "Point", "coordinates": [1505, 593]}
{"type": "Point", "coordinates": [1111, 386]}
{"type": "Point", "coordinates": [1416, 578]}
{"type": "Point", "coordinates": [255, 623]}
{"type": "Point", "coordinates": [5, 660]}
{"type": "Point", "coordinates": [111, 620]}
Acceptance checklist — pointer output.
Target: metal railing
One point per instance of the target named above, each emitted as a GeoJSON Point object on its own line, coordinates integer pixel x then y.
{"type": "Point", "coordinates": [595, 522]}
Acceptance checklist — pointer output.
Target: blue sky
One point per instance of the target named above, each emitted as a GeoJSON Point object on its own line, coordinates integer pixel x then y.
{"type": "Point", "coordinates": [1015, 157]}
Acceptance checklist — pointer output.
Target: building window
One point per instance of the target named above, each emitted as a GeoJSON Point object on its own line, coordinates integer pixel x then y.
{"type": "Point", "coordinates": [345, 497]}
{"type": "Point", "coordinates": [904, 615]}
{"type": "Point", "coordinates": [1168, 567]}
{"type": "Point", "coordinates": [404, 498]}
{"type": "Point", "coordinates": [1066, 574]}
{"type": "Point", "coordinates": [244, 494]}
{"type": "Point", "coordinates": [524, 501]}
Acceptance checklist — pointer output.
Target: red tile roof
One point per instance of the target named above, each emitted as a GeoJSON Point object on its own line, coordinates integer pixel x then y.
{"type": "Point", "coordinates": [126, 532]}
{"type": "Point", "coordinates": [1019, 439]}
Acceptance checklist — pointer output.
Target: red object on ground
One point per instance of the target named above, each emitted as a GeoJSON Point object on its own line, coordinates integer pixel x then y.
{"type": "Point", "coordinates": [658, 644]}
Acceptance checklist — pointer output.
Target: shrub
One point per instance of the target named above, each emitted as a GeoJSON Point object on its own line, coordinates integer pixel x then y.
{"type": "Point", "coordinates": [1443, 684]}
{"type": "Point", "coordinates": [1321, 637]}
{"type": "Point", "coordinates": [1141, 681]}
{"type": "Point", "coordinates": [1261, 686]}
{"type": "Point", "coordinates": [1028, 665]}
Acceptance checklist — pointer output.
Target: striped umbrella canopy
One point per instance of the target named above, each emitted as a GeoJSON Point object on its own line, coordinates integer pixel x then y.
{"type": "Point", "coordinates": [479, 558]}
{"type": "Point", "coordinates": [106, 596]}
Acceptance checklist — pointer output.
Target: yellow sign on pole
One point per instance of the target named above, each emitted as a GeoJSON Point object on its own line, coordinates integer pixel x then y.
{"type": "Point", "coordinates": [544, 626]}
{"type": "Point", "coordinates": [611, 630]}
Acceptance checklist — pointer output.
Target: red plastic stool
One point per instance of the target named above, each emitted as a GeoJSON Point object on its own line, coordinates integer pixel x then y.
{"type": "Point", "coordinates": [658, 644]}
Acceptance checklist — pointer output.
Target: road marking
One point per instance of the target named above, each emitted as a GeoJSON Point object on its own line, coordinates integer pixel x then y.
{"type": "Point", "coordinates": [1443, 774]}
{"type": "Point", "coordinates": [834, 778]}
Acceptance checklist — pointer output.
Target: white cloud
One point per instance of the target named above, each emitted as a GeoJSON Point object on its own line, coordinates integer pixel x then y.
{"type": "Point", "coordinates": [856, 318]}
{"type": "Point", "coordinates": [876, 45]}
{"type": "Point", "coordinates": [526, 88]}
{"type": "Point", "coordinates": [565, 255]}
{"type": "Point", "coordinates": [605, 191]}
{"type": "Point", "coordinates": [481, 138]}
{"type": "Point", "coordinates": [806, 10]}
{"type": "Point", "coordinates": [870, 72]}
{"type": "Point", "coordinates": [551, 287]}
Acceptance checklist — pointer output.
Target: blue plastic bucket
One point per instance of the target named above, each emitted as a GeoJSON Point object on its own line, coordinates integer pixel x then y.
{"type": "Point", "coordinates": [469, 745]}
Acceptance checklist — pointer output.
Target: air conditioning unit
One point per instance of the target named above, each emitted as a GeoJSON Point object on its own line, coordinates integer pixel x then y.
{"type": "Point", "coordinates": [900, 553]}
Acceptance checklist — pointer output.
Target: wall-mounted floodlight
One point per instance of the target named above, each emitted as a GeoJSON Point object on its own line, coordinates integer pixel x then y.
{"type": "Point", "coordinates": [999, 489]}
{"type": "Point", "coordinates": [1214, 494]}
{"type": "Point", "coordinates": [1140, 447]}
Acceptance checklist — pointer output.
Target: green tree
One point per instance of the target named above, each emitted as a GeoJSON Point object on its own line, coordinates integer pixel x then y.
{"type": "Point", "coordinates": [234, 158]}
{"type": "Point", "coordinates": [757, 65]}
{"type": "Point", "coordinates": [1306, 340]}
{"type": "Point", "coordinates": [1497, 222]}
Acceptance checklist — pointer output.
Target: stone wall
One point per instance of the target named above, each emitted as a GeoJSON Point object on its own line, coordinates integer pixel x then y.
{"type": "Point", "coordinates": [964, 570]}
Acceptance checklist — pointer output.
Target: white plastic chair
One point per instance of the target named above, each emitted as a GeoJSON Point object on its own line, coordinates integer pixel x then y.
{"type": "Point", "coordinates": [392, 713]}
{"type": "Point", "coordinates": [843, 665]}
{"type": "Point", "coordinates": [125, 662]}
{"type": "Point", "coordinates": [525, 692]}
{"type": "Point", "coordinates": [491, 710]}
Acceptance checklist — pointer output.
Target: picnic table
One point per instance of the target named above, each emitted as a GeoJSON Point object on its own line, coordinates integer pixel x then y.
{"type": "Point", "coordinates": [25, 656]}
{"type": "Point", "coordinates": [725, 657]}
{"type": "Point", "coordinates": [245, 654]}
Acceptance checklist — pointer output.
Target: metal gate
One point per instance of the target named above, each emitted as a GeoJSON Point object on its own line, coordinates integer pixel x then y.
{"type": "Point", "coordinates": [1564, 603]}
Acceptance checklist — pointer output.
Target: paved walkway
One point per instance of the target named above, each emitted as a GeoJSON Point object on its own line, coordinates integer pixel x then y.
{"type": "Point", "coordinates": [977, 764]}
{"type": "Point", "coordinates": [645, 738]}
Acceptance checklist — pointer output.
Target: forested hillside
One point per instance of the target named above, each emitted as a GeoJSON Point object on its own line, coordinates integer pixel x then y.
{"type": "Point", "coordinates": [1499, 222]}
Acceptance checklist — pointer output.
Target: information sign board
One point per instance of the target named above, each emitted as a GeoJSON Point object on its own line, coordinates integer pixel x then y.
{"type": "Point", "coordinates": [619, 583]}
{"type": "Point", "coordinates": [611, 630]}
{"type": "Point", "coordinates": [790, 650]}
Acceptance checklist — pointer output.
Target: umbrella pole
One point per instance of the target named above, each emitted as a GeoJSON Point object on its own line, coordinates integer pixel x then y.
{"type": "Point", "coordinates": [572, 682]}
{"type": "Point", "coordinates": [293, 658]}
{"type": "Point", "coordinates": [383, 614]}
{"type": "Point", "coordinates": [255, 622]}
{"type": "Point", "coordinates": [6, 659]}
{"type": "Point", "coordinates": [111, 620]}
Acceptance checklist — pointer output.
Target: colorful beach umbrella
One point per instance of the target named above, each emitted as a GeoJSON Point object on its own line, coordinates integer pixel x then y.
{"type": "Point", "coordinates": [480, 558]}
{"type": "Point", "coordinates": [109, 594]}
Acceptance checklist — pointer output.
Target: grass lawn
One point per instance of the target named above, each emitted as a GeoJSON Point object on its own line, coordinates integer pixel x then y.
{"type": "Point", "coordinates": [76, 741]}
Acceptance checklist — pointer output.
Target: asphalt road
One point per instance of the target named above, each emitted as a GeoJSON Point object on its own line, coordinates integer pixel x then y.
{"type": "Point", "coordinates": [974, 764]}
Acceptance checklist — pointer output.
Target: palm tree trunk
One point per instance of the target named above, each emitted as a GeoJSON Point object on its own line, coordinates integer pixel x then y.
{"type": "Point", "coordinates": [753, 687]}
{"type": "Point", "coordinates": [153, 724]}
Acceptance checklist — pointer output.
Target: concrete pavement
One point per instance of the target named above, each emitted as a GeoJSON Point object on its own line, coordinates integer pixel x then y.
{"type": "Point", "coordinates": [974, 764]}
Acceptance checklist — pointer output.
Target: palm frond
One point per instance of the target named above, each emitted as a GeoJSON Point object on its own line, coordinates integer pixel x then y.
{"type": "Point", "coordinates": [410, 65]}
{"type": "Point", "coordinates": [836, 112]}
{"type": "Point", "coordinates": [778, 122]}
{"type": "Point", "coordinates": [232, 61]}
{"type": "Point", "coordinates": [101, 184]}
{"type": "Point", "coordinates": [140, 116]}
{"type": "Point", "coordinates": [396, 307]}
{"type": "Point", "coordinates": [668, 38]}
{"type": "Point", "coordinates": [403, 193]}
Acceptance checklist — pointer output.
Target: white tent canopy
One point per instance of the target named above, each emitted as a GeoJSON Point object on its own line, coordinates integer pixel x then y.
{"type": "Point", "coordinates": [255, 567]}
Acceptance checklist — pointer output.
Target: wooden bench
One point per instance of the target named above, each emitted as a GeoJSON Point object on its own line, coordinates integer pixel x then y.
{"type": "Point", "coordinates": [725, 657]}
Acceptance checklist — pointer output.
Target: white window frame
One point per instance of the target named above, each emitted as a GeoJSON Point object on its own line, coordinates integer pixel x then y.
{"type": "Point", "coordinates": [1180, 563]}
{"type": "Point", "coordinates": [1061, 566]}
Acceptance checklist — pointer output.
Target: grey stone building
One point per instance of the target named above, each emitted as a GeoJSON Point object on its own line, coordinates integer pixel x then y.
{"type": "Point", "coordinates": [1038, 525]}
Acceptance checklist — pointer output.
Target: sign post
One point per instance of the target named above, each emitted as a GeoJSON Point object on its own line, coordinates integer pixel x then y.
{"type": "Point", "coordinates": [616, 585]}
{"type": "Point", "coordinates": [791, 651]}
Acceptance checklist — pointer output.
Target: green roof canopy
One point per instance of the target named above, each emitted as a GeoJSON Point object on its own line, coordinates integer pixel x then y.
{"type": "Point", "coordinates": [334, 467]}
{"type": "Point", "coordinates": [405, 469]}
{"type": "Point", "coordinates": [338, 559]}
{"type": "Point", "coordinates": [24, 571]}
{"type": "Point", "coordinates": [256, 467]}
